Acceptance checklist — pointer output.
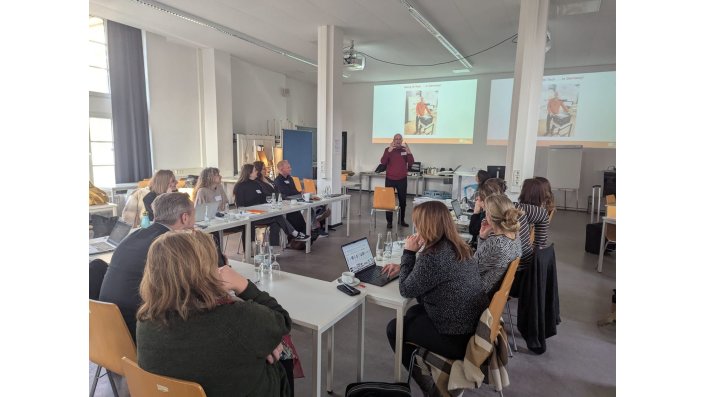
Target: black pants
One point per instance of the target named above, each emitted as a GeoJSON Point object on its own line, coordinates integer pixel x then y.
{"type": "Point", "coordinates": [289, 368]}
{"type": "Point", "coordinates": [275, 224]}
{"type": "Point", "coordinates": [400, 185]}
{"type": "Point", "coordinates": [419, 329]}
{"type": "Point", "coordinates": [297, 221]}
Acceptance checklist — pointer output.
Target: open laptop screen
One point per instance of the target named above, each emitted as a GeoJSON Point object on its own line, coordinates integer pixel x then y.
{"type": "Point", "coordinates": [120, 231]}
{"type": "Point", "coordinates": [456, 208]}
{"type": "Point", "coordinates": [358, 255]}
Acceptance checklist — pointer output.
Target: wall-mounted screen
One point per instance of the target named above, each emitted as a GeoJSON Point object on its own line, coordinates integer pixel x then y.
{"type": "Point", "coordinates": [574, 109]}
{"type": "Point", "coordinates": [430, 112]}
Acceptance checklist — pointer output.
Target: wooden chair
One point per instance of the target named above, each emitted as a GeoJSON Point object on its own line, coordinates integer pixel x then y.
{"type": "Point", "coordinates": [343, 177]}
{"type": "Point", "coordinates": [109, 341]}
{"type": "Point", "coordinates": [611, 199]}
{"type": "Point", "coordinates": [142, 383]}
{"type": "Point", "coordinates": [181, 183]}
{"type": "Point", "coordinates": [143, 183]}
{"type": "Point", "coordinates": [384, 200]}
{"type": "Point", "coordinates": [309, 186]}
{"type": "Point", "coordinates": [297, 183]}
{"type": "Point", "coordinates": [499, 301]}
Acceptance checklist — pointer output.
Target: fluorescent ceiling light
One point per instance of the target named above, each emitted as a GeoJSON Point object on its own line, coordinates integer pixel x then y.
{"type": "Point", "coordinates": [461, 71]}
{"type": "Point", "coordinates": [431, 29]}
{"type": "Point", "coordinates": [224, 29]}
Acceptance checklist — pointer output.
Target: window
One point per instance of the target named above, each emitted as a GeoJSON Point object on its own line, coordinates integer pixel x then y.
{"type": "Point", "coordinates": [97, 56]}
{"type": "Point", "coordinates": [101, 159]}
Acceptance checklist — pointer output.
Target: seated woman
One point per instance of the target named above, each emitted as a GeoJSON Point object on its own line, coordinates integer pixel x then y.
{"type": "Point", "coordinates": [192, 327]}
{"type": "Point", "coordinates": [487, 188]}
{"type": "Point", "coordinates": [209, 189]}
{"type": "Point", "coordinates": [162, 182]}
{"type": "Point", "coordinates": [268, 187]}
{"type": "Point", "coordinates": [249, 192]}
{"type": "Point", "coordinates": [480, 178]}
{"type": "Point", "coordinates": [499, 242]}
{"type": "Point", "coordinates": [445, 282]}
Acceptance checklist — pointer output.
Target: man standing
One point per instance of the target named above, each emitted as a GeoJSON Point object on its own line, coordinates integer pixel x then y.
{"type": "Point", "coordinates": [285, 184]}
{"type": "Point", "coordinates": [397, 157]}
{"type": "Point", "coordinates": [172, 211]}
{"type": "Point", "coordinates": [421, 110]}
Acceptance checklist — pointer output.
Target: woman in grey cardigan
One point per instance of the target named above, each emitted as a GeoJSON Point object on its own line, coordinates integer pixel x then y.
{"type": "Point", "coordinates": [437, 269]}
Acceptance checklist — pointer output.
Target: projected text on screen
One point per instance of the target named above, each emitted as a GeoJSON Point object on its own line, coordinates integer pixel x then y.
{"type": "Point", "coordinates": [432, 112]}
{"type": "Point", "coordinates": [574, 109]}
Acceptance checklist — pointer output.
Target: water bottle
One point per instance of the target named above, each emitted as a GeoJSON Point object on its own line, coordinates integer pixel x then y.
{"type": "Point", "coordinates": [387, 256]}
{"type": "Point", "coordinates": [279, 200]}
{"type": "Point", "coordinates": [274, 200]}
{"type": "Point", "coordinates": [144, 222]}
{"type": "Point", "coordinates": [380, 247]}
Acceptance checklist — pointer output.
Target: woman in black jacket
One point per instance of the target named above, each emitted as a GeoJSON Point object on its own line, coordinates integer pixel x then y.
{"type": "Point", "coordinates": [248, 191]}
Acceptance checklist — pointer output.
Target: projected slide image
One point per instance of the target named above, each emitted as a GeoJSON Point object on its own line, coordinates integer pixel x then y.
{"type": "Point", "coordinates": [438, 112]}
{"type": "Point", "coordinates": [576, 109]}
{"type": "Point", "coordinates": [558, 114]}
{"type": "Point", "coordinates": [421, 112]}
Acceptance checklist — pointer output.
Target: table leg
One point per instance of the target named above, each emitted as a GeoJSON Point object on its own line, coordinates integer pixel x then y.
{"type": "Point", "coordinates": [359, 210]}
{"type": "Point", "coordinates": [248, 243]}
{"type": "Point", "coordinates": [308, 229]}
{"type": "Point", "coordinates": [602, 247]}
{"type": "Point", "coordinates": [329, 371]}
{"type": "Point", "coordinates": [316, 365]}
{"type": "Point", "coordinates": [347, 214]}
{"type": "Point", "coordinates": [360, 341]}
{"type": "Point", "coordinates": [399, 344]}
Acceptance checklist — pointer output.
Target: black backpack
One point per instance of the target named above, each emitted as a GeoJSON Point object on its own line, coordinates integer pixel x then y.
{"type": "Point", "coordinates": [382, 389]}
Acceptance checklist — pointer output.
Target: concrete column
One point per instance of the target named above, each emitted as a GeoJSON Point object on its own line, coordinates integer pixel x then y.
{"type": "Point", "coordinates": [217, 119]}
{"type": "Point", "coordinates": [329, 111]}
{"type": "Point", "coordinates": [528, 77]}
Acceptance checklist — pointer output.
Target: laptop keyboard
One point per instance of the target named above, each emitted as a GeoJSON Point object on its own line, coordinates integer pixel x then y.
{"type": "Point", "coordinates": [102, 246]}
{"type": "Point", "coordinates": [373, 277]}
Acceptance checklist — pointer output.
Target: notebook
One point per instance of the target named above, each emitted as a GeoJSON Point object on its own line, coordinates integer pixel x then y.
{"type": "Point", "coordinates": [209, 209]}
{"type": "Point", "coordinates": [109, 243]}
{"type": "Point", "coordinates": [360, 261]}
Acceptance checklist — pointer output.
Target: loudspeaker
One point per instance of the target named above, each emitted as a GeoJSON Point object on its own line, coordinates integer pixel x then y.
{"type": "Point", "coordinates": [344, 154]}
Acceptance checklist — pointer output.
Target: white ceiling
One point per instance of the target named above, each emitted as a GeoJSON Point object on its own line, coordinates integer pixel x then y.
{"type": "Point", "coordinates": [381, 28]}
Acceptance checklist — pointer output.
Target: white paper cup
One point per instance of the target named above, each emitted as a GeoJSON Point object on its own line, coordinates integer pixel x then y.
{"type": "Point", "coordinates": [348, 277]}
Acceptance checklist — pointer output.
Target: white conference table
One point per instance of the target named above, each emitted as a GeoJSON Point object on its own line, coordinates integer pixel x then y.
{"type": "Point", "coordinates": [316, 306]}
{"type": "Point", "coordinates": [389, 296]}
{"type": "Point", "coordinates": [264, 211]}
{"type": "Point", "coordinates": [605, 221]}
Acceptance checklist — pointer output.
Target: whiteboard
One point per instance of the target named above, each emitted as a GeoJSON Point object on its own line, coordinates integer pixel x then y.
{"type": "Point", "coordinates": [564, 164]}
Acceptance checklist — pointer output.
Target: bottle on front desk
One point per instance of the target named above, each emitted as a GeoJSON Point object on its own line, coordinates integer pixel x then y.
{"type": "Point", "coordinates": [144, 222]}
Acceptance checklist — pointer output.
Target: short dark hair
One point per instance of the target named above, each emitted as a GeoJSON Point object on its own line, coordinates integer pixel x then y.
{"type": "Point", "coordinates": [482, 176]}
{"type": "Point", "coordinates": [532, 192]}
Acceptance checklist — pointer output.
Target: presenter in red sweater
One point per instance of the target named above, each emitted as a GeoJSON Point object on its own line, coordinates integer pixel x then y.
{"type": "Point", "coordinates": [397, 157]}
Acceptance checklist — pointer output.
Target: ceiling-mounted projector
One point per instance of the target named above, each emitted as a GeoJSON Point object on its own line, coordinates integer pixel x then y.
{"type": "Point", "coordinates": [352, 60]}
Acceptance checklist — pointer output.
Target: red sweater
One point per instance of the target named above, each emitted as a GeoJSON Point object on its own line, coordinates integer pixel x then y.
{"type": "Point", "coordinates": [397, 162]}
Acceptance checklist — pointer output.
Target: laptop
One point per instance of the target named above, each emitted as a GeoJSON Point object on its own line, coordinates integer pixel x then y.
{"type": "Point", "coordinates": [208, 208]}
{"type": "Point", "coordinates": [451, 172]}
{"type": "Point", "coordinates": [109, 243]}
{"type": "Point", "coordinates": [360, 261]}
{"type": "Point", "coordinates": [458, 211]}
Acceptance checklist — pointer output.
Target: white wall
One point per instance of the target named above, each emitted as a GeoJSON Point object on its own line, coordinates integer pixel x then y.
{"type": "Point", "coordinates": [174, 104]}
{"type": "Point", "coordinates": [301, 103]}
{"type": "Point", "coordinates": [363, 155]}
{"type": "Point", "coordinates": [257, 97]}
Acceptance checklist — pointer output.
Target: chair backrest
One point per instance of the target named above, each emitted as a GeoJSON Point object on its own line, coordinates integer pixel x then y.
{"type": "Point", "coordinates": [181, 183]}
{"type": "Point", "coordinates": [611, 211]}
{"type": "Point", "coordinates": [309, 186]}
{"type": "Point", "coordinates": [550, 215]}
{"type": "Point", "coordinates": [500, 297]}
{"type": "Point", "coordinates": [297, 183]}
{"type": "Point", "coordinates": [142, 383]}
{"type": "Point", "coordinates": [143, 183]}
{"type": "Point", "coordinates": [109, 339]}
{"type": "Point", "coordinates": [383, 198]}
{"type": "Point", "coordinates": [343, 177]}
{"type": "Point", "coordinates": [610, 199]}
{"type": "Point", "coordinates": [611, 232]}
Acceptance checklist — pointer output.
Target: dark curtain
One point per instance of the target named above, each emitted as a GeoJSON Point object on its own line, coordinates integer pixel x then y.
{"type": "Point", "coordinates": [128, 95]}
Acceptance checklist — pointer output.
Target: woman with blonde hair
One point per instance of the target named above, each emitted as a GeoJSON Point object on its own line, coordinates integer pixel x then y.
{"type": "Point", "coordinates": [209, 189]}
{"type": "Point", "coordinates": [499, 243]}
{"type": "Point", "coordinates": [437, 269]}
{"type": "Point", "coordinates": [162, 182]}
{"type": "Point", "coordinates": [208, 325]}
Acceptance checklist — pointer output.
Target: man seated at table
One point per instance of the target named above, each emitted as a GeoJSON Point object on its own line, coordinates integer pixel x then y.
{"type": "Point", "coordinates": [172, 211]}
{"type": "Point", "coordinates": [285, 185]}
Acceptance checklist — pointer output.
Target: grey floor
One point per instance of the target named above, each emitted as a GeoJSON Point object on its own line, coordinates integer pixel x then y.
{"type": "Point", "coordinates": [580, 360]}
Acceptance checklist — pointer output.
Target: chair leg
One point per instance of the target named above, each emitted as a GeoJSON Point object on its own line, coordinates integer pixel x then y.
{"type": "Point", "coordinates": [95, 380]}
{"type": "Point", "coordinates": [511, 324]}
{"type": "Point", "coordinates": [112, 383]}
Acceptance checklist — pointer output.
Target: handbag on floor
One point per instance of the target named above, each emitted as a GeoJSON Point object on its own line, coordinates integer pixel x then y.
{"type": "Point", "coordinates": [382, 389]}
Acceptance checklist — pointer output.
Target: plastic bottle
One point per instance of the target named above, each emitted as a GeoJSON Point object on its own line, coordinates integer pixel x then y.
{"type": "Point", "coordinates": [380, 246]}
{"type": "Point", "coordinates": [144, 222]}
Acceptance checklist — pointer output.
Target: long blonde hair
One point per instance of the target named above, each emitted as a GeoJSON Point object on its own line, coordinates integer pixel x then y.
{"type": "Point", "coordinates": [205, 180]}
{"type": "Point", "coordinates": [502, 212]}
{"type": "Point", "coordinates": [433, 223]}
{"type": "Point", "coordinates": [180, 277]}
{"type": "Point", "coordinates": [159, 183]}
